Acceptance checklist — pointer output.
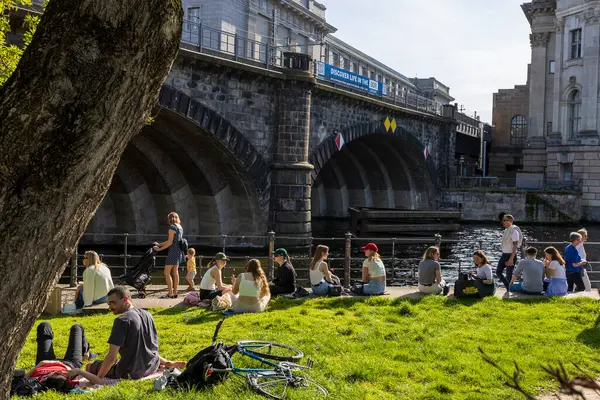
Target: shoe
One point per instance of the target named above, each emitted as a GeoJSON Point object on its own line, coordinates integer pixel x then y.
{"type": "Point", "coordinates": [165, 296]}
{"type": "Point", "coordinates": [190, 289]}
{"type": "Point", "coordinates": [446, 290]}
{"type": "Point", "coordinates": [174, 296]}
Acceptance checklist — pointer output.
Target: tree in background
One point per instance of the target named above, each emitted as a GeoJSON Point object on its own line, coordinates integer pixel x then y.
{"type": "Point", "coordinates": [82, 88]}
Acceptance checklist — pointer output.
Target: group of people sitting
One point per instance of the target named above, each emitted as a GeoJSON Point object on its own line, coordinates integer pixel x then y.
{"type": "Point", "coordinates": [133, 337]}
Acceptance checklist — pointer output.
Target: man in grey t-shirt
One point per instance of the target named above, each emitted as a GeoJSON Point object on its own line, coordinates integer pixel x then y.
{"type": "Point", "coordinates": [533, 275]}
{"type": "Point", "coordinates": [134, 338]}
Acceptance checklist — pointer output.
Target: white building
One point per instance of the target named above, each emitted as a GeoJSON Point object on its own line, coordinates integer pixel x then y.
{"type": "Point", "coordinates": [564, 110]}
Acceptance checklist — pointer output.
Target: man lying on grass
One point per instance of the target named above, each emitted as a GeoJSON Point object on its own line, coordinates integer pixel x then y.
{"type": "Point", "coordinates": [134, 338]}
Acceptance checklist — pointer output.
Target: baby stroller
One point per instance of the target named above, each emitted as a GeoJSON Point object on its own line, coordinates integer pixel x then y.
{"type": "Point", "coordinates": [140, 275]}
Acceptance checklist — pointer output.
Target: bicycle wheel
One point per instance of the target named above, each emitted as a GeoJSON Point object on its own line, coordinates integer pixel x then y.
{"type": "Point", "coordinates": [271, 350]}
{"type": "Point", "coordinates": [276, 386]}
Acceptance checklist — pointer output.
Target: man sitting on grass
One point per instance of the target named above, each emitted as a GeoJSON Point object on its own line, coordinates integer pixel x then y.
{"type": "Point", "coordinates": [134, 338]}
{"type": "Point", "coordinates": [533, 275]}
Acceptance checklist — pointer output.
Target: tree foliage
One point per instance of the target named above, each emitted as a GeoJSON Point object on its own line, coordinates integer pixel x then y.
{"type": "Point", "coordinates": [10, 54]}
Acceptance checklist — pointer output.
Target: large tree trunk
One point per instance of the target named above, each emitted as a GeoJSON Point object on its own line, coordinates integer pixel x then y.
{"type": "Point", "coordinates": [83, 88]}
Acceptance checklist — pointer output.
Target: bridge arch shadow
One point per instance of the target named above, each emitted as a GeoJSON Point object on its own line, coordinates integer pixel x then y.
{"type": "Point", "coordinates": [192, 161]}
{"type": "Point", "coordinates": [374, 168]}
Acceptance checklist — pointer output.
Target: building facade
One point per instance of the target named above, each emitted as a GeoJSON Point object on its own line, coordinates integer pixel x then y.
{"type": "Point", "coordinates": [434, 89]}
{"type": "Point", "coordinates": [564, 108]}
{"type": "Point", "coordinates": [510, 120]}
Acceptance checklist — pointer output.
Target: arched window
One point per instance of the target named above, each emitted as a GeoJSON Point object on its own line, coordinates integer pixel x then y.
{"type": "Point", "coordinates": [574, 116]}
{"type": "Point", "coordinates": [518, 130]}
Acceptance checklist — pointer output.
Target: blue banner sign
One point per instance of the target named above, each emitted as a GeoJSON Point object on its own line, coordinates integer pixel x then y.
{"type": "Point", "coordinates": [350, 79]}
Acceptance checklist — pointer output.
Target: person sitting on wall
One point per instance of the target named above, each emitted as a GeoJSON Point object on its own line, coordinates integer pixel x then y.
{"type": "Point", "coordinates": [320, 276]}
{"type": "Point", "coordinates": [532, 272]}
{"type": "Point", "coordinates": [96, 282]}
{"type": "Point", "coordinates": [555, 271]}
{"type": "Point", "coordinates": [430, 273]}
{"type": "Point", "coordinates": [373, 271]}
{"type": "Point", "coordinates": [484, 278]}
{"type": "Point", "coordinates": [284, 281]}
{"type": "Point", "coordinates": [212, 284]}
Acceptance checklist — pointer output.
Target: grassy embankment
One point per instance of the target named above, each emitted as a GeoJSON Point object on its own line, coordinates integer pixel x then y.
{"type": "Point", "coordinates": [377, 348]}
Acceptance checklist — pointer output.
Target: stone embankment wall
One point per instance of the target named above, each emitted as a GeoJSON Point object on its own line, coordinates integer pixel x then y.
{"type": "Point", "coordinates": [526, 206]}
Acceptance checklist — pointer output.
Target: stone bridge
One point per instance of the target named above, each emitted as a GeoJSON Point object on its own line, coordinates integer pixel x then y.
{"type": "Point", "coordinates": [237, 149]}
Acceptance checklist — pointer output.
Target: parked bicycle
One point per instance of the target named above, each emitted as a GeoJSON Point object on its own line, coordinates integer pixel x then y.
{"type": "Point", "coordinates": [279, 371]}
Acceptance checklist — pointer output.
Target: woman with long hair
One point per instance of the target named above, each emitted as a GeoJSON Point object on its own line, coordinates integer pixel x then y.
{"type": "Point", "coordinates": [430, 273]}
{"type": "Point", "coordinates": [175, 256]}
{"type": "Point", "coordinates": [555, 271]}
{"type": "Point", "coordinates": [484, 278]}
{"type": "Point", "coordinates": [320, 276]}
{"type": "Point", "coordinates": [284, 281]}
{"type": "Point", "coordinates": [96, 282]}
{"type": "Point", "coordinates": [251, 289]}
{"type": "Point", "coordinates": [212, 284]}
{"type": "Point", "coordinates": [373, 271]}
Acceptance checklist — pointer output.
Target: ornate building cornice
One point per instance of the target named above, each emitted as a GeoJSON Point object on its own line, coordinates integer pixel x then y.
{"type": "Point", "coordinates": [559, 25]}
{"type": "Point", "coordinates": [591, 16]}
{"type": "Point", "coordinates": [539, 39]}
{"type": "Point", "coordinates": [538, 8]}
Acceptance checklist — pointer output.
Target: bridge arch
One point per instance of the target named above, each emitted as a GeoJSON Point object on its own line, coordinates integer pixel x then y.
{"type": "Point", "coordinates": [192, 161]}
{"type": "Point", "coordinates": [379, 169]}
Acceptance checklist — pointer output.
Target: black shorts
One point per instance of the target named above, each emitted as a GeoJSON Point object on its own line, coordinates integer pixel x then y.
{"type": "Point", "coordinates": [209, 294]}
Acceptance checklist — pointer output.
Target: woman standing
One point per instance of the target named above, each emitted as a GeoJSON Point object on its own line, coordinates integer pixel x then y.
{"type": "Point", "coordinates": [175, 256]}
{"type": "Point", "coordinates": [251, 289]}
{"type": "Point", "coordinates": [484, 279]}
{"type": "Point", "coordinates": [373, 271]}
{"type": "Point", "coordinates": [555, 270]}
{"type": "Point", "coordinates": [96, 282]}
{"type": "Point", "coordinates": [320, 276]}
{"type": "Point", "coordinates": [212, 284]}
{"type": "Point", "coordinates": [430, 273]}
{"type": "Point", "coordinates": [284, 281]}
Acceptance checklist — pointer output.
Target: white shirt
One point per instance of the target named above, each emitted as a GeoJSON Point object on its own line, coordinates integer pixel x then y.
{"type": "Point", "coordinates": [581, 251]}
{"type": "Point", "coordinates": [508, 240]}
{"type": "Point", "coordinates": [248, 286]}
{"type": "Point", "coordinates": [485, 272]}
{"type": "Point", "coordinates": [375, 267]}
{"type": "Point", "coordinates": [208, 282]}
{"type": "Point", "coordinates": [96, 283]}
{"type": "Point", "coordinates": [558, 270]}
{"type": "Point", "coordinates": [317, 275]}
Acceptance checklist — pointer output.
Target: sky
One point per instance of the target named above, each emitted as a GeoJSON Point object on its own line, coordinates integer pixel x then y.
{"type": "Point", "coordinates": [473, 46]}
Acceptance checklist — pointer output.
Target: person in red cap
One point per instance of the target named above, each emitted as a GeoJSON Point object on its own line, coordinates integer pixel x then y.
{"type": "Point", "coordinates": [373, 271]}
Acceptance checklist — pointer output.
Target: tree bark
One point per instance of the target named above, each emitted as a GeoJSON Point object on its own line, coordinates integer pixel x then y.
{"type": "Point", "coordinates": [83, 88]}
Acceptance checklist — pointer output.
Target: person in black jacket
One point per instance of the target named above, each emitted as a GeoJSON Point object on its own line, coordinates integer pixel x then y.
{"type": "Point", "coordinates": [284, 281]}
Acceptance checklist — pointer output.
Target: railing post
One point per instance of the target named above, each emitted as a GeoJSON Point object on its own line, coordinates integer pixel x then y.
{"type": "Point", "coordinates": [393, 260]}
{"type": "Point", "coordinates": [235, 46]}
{"type": "Point", "coordinates": [125, 252]}
{"type": "Point", "coordinates": [200, 37]}
{"type": "Point", "coordinates": [347, 255]}
{"type": "Point", "coordinates": [271, 250]}
{"type": "Point", "coordinates": [267, 55]}
{"type": "Point", "coordinates": [73, 278]}
{"type": "Point", "coordinates": [224, 237]}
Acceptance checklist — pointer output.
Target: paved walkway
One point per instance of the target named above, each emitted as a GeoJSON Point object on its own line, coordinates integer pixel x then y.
{"type": "Point", "coordinates": [154, 292]}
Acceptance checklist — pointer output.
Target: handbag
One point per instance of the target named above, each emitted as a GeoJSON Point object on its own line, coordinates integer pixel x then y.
{"type": "Point", "coordinates": [334, 291]}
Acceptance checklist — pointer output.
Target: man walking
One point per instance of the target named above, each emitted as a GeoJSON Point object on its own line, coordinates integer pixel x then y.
{"type": "Point", "coordinates": [134, 338]}
{"type": "Point", "coordinates": [511, 238]}
{"type": "Point", "coordinates": [574, 264]}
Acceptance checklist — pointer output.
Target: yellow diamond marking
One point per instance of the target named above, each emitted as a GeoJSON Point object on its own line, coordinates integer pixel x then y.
{"type": "Point", "coordinates": [387, 124]}
{"type": "Point", "coordinates": [394, 126]}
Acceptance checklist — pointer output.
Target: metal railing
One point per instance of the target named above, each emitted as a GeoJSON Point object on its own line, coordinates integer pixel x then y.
{"type": "Point", "coordinates": [401, 270]}
{"type": "Point", "coordinates": [492, 182]}
{"type": "Point", "coordinates": [262, 53]}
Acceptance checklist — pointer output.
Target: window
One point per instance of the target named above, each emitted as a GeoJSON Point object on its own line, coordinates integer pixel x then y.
{"type": "Point", "coordinates": [574, 116]}
{"type": "Point", "coordinates": [576, 43]}
{"type": "Point", "coordinates": [518, 130]}
{"type": "Point", "coordinates": [193, 17]}
{"type": "Point", "coordinates": [342, 62]}
{"type": "Point", "coordinates": [552, 67]}
{"type": "Point", "coordinates": [567, 172]}
{"type": "Point", "coordinates": [548, 128]}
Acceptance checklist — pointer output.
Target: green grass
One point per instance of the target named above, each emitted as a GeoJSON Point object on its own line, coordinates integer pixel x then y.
{"type": "Point", "coordinates": [378, 348]}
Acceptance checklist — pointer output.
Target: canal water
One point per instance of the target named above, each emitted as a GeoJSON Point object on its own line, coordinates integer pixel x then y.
{"type": "Point", "coordinates": [401, 259]}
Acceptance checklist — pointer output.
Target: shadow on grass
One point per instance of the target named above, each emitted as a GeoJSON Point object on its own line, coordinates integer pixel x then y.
{"type": "Point", "coordinates": [591, 336]}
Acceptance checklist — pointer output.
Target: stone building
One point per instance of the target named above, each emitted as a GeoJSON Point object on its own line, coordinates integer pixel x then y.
{"type": "Point", "coordinates": [510, 118]}
{"type": "Point", "coordinates": [564, 110]}
{"type": "Point", "coordinates": [434, 89]}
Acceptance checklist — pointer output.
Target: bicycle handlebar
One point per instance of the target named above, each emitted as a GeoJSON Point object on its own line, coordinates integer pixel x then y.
{"type": "Point", "coordinates": [214, 339]}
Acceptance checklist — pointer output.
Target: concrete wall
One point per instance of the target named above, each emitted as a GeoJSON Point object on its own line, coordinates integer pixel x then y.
{"type": "Point", "coordinates": [536, 207]}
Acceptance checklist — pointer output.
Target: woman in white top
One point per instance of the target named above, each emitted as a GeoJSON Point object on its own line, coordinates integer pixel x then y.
{"type": "Point", "coordinates": [555, 270]}
{"type": "Point", "coordinates": [373, 271]}
{"type": "Point", "coordinates": [320, 276]}
{"type": "Point", "coordinates": [484, 278]}
{"type": "Point", "coordinates": [251, 289]}
{"type": "Point", "coordinates": [212, 284]}
{"type": "Point", "coordinates": [96, 282]}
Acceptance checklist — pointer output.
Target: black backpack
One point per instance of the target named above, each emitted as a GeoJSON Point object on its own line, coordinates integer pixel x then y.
{"type": "Point", "coordinates": [184, 245]}
{"type": "Point", "coordinates": [198, 372]}
{"type": "Point", "coordinates": [22, 386]}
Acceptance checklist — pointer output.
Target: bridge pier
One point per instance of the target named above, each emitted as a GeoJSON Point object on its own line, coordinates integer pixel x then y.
{"type": "Point", "coordinates": [290, 178]}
